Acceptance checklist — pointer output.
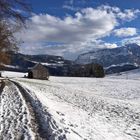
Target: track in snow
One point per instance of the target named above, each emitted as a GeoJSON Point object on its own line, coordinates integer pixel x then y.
{"type": "Point", "coordinates": [34, 120]}
{"type": "Point", "coordinates": [2, 85]}
{"type": "Point", "coordinates": [22, 115]}
{"type": "Point", "coordinates": [14, 115]}
{"type": "Point", "coordinates": [46, 125]}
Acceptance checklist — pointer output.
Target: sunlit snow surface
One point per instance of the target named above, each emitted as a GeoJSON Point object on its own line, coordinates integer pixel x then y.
{"type": "Point", "coordinates": [90, 108]}
{"type": "Point", "coordinates": [11, 74]}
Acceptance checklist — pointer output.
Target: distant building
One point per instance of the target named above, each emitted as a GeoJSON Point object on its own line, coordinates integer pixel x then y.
{"type": "Point", "coordinates": [39, 72]}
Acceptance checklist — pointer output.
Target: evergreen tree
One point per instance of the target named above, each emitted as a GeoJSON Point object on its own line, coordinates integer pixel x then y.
{"type": "Point", "coordinates": [99, 71]}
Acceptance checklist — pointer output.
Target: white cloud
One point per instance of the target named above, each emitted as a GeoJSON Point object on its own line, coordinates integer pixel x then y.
{"type": "Point", "coordinates": [126, 15]}
{"type": "Point", "coordinates": [110, 46]}
{"type": "Point", "coordinates": [125, 32]}
{"type": "Point", "coordinates": [77, 33]}
{"type": "Point", "coordinates": [131, 40]}
{"type": "Point", "coordinates": [87, 24]}
{"type": "Point", "coordinates": [68, 51]}
{"type": "Point", "coordinates": [72, 8]}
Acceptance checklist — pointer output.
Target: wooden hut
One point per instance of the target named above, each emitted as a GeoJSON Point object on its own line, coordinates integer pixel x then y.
{"type": "Point", "coordinates": [39, 72]}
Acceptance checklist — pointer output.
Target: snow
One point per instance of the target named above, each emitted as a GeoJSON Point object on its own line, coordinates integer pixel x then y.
{"type": "Point", "coordinates": [10, 66]}
{"type": "Point", "coordinates": [89, 108]}
{"type": "Point", "coordinates": [14, 115]}
{"type": "Point", "coordinates": [59, 63]}
{"type": "Point", "coordinates": [56, 63]}
{"type": "Point", "coordinates": [74, 108]}
{"type": "Point", "coordinates": [11, 74]}
{"type": "Point", "coordinates": [133, 74]}
{"type": "Point", "coordinates": [121, 65]}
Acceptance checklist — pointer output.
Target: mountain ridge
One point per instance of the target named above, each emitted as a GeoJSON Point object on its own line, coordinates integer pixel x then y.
{"type": "Point", "coordinates": [107, 57]}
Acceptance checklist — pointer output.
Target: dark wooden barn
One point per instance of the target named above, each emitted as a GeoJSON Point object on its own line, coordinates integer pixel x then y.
{"type": "Point", "coordinates": [39, 72]}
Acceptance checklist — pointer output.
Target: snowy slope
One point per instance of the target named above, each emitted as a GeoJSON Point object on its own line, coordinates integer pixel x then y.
{"type": "Point", "coordinates": [133, 74]}
{"type": "Point", "coordinates": [21, 62]}
{"type": "Point", "coordinates": [129, 53]}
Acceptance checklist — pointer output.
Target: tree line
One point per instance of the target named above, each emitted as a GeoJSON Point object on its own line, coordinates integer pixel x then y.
{"type": "Point", "coordinates": [88, 70]}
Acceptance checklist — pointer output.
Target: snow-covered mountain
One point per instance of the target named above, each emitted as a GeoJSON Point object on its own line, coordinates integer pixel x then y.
{"type": "Point", "coordinates": [21, 63]}
{"type": "Point", "coordinates": [128, 54]}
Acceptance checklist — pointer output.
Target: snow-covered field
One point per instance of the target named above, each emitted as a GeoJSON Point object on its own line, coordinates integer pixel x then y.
{"type": "Point", "coordinates": [11, 74]}
{"type": "Point", "coordinates": [74, 108]}
{"type": "Point", "coordinates": [133, 74]}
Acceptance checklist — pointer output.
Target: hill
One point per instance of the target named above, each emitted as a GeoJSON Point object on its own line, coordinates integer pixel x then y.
{"type": "Point", "coordinates": [114, 60]}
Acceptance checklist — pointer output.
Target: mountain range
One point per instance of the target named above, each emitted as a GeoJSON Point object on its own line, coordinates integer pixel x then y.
{"type": "Point", "coordinates": [22, 63]}
{"type": "Point", "coordinates": [113, 60]}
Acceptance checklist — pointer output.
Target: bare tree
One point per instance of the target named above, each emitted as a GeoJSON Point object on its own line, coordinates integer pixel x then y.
{"type": "Point", "coordinates": [15, 9]}
{"type": "Point", "coordinates": [12, 16]}
{"type": "Point", "coordinates": [7, 42]}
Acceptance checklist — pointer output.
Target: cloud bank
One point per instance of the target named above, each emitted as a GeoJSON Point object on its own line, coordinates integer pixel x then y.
{"type": "Point", "coordinates": [72, 35]}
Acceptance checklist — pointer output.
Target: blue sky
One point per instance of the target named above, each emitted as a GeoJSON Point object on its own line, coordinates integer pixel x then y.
{"type": "Point", "coordinates": [71, 27]}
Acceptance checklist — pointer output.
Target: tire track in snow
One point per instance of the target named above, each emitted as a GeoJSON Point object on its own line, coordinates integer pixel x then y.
{"type": "Point", "coordinates": [14, 115]}
{"type": "Point", "coordinates": [46, 126]}
{"type": "Point", "coordinates": [2, 85]}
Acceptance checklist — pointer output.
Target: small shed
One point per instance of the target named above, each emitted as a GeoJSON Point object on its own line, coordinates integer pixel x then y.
{"type": "Point", "coordinates": [39, 72]}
